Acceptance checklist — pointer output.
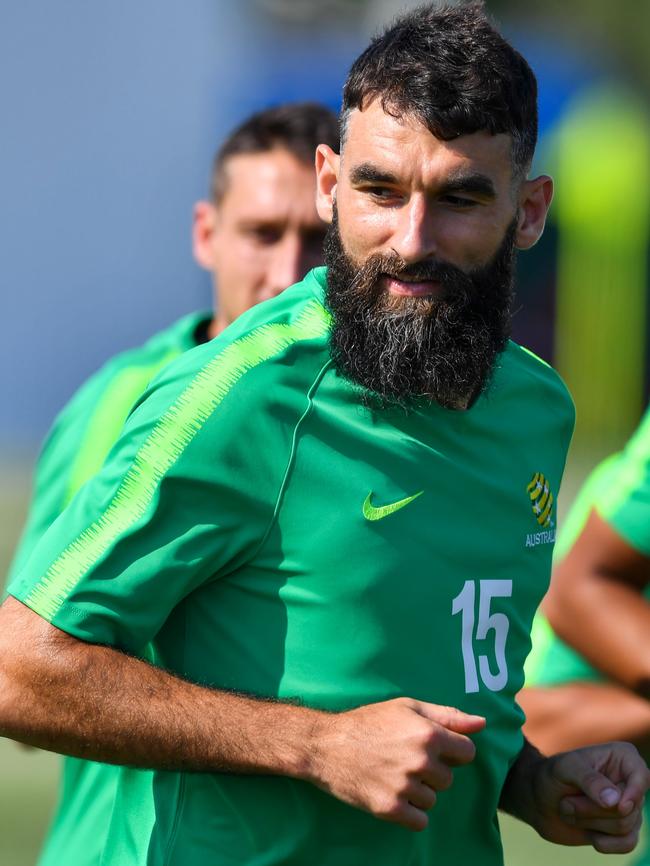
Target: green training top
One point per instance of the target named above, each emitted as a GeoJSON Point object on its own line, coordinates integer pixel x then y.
{"type": "Point", "coordinates": [77, 445]}
{"type": "Point", "coordinates": [87, 427]}
{"type": "Point", "coordinates": [269, 532]}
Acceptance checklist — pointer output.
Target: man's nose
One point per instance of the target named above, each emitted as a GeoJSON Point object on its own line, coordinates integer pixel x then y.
{"type": "Point", "coordinates": [286, 266]}
{"type": "Point", "coordinates": [414, 237]}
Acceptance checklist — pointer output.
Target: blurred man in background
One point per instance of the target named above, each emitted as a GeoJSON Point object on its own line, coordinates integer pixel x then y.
{"type": "Point", "coordinates": [588, 674]}
{"type": "Point", "coordinates": [259, 233]}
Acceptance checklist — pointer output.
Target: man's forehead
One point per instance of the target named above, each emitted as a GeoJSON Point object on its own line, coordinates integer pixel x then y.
{"type": "Point", "coordinates": [257, 177]}
{"type": "Point", "coordinates": [267, 165]}
{"type": "Point", "coordinates": [394, 139]}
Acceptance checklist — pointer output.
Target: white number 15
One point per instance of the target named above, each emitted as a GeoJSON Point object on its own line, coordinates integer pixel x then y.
{"type": "Point", "coordinates": [465, 604]}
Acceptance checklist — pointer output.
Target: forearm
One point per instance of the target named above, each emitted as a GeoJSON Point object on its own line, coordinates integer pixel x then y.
{"type": "Point", "coordinates": [388, 758]}
{"type": "Point", "coordinates": [95, 702]}
{"type": "Point", "coordinates": [577, 714]}
{"type": "Point", "coordinates": [517, 796]}
{"type": "Point", "coordinates": [590, 796]}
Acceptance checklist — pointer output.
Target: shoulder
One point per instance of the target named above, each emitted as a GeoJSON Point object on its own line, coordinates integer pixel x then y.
{"type": "Point", "coordinates": [283, 341]}
{"type": "Point", "coordinates": [268, 330]}
{"type": "Point", "coordinates": [159, 349]}
{"type": "Point", "coordinates": [528, 368]}
{"type": "Point", "coordinates": [126, 374]}
{"type": "Point", "coordinates": [243, 392]}
{"type": "Point", "coordinates": [537, 382]}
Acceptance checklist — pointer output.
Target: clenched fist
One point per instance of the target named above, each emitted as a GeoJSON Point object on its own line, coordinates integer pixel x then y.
{"type": "Point", "coordinates": [392, 758]}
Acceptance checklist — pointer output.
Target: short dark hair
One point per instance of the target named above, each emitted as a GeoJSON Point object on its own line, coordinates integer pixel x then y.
{"type": "Point", "coordinates": [298, 127]}
{"type": "Point", "coordinates": [451, 69]}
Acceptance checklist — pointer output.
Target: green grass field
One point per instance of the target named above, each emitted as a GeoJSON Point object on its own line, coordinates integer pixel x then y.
{"type": "Point", "coordinates": [28, 778]}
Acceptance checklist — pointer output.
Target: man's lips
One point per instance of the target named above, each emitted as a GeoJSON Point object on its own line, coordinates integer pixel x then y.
{"type": "Point", "coordinates": [411, 289]}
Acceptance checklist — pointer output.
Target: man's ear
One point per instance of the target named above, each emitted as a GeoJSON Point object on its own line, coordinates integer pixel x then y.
{"type": "Point", "coordinates": [534, 201]}
{"type": "Point", "coordinates": [204, 226]}
{"type": "Point", "coordinates": [327, 173]}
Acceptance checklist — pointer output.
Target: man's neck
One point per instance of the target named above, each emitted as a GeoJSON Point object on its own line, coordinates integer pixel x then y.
{"type": "Point", "coordinates": [203, 332]}
{"type": "Point", "coordinates": [216, 326]}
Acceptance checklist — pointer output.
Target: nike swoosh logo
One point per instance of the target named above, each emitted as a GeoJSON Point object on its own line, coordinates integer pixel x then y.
{"type": "Point", "coordinates": [372, 512]}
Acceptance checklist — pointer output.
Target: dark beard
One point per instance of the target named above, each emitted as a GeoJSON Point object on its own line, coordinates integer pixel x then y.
{"type": "Point", "coordinates": [403, 348]}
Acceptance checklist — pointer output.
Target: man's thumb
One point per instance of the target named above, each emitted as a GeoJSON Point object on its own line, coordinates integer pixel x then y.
{"type": "Point", "coordinates": [595, 785]}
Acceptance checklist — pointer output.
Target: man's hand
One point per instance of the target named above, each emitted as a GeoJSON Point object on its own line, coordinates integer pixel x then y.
{"type": "Point", "coordinates": [392, 758]}
{"type": "Point", "coordinates": [591, 796]}
{"type": "Point", "coordinates": [60, 693]}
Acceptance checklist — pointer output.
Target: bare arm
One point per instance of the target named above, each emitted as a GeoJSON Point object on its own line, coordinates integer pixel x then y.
{"type": "Point", "coordinates": [595, 604]}
{"type": "Point", "coordinates": [91, 701]}
{"type": "Point", "coordinates": [65, 695]}
{"type": "Point", "coordinates": [576, 714]}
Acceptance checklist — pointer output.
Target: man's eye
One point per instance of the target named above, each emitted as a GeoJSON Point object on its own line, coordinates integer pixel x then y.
{"type": "Point", "coordinates": [458, 201]}
{"type": "Point", "coordinates": [264, 235]}
{"type": "Point", "coordinates": [381, 192]}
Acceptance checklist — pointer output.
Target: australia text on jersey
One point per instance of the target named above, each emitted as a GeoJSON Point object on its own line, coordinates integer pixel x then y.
{"type": "Point", "coordinates": [542, 501]}
{"type": "Point", "coordinates": [535, 538]}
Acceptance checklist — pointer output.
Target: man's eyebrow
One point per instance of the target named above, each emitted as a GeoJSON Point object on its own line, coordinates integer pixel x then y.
{"type": "Point", "coordinates": [471, 182]}
{"type": "Point", "coordinates": [366, 172]}
{"type": "Point", "coordinates": [460, 181]}
{"type": "Point", "coordinates": [256, 222]}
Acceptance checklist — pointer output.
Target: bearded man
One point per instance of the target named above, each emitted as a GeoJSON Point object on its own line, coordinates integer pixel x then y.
{"type": "Point", "coordinates": [330, 527]}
